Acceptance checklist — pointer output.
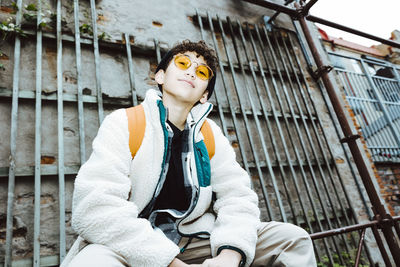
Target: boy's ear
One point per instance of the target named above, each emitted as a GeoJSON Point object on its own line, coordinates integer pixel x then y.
{"type": "Point", "coordinates": [204, 97]}
{"type": "Point", "coordinates": [159, 77]}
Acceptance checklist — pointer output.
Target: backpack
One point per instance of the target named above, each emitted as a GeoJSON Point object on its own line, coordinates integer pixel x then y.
{"type": "Point", "coordinates": [137, 126]}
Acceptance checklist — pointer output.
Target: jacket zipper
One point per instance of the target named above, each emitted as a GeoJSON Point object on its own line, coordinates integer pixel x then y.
{"type": "Point", "coordinates": [197, 188]}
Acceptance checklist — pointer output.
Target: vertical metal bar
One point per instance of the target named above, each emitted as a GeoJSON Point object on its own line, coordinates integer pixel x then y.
{"type": "Point", "coordinates": [255, 116]}
{"type": "Point", "coordinates": [158, 52]}
{"type": "Point", "coordinates": [97, 61]}
{"type": "Point", "coordinates": [38, 136]}
{"type": "Point", "coordinates": [246, 121]}
{"type": "Point", "coordinates": [216, 92]}
{"type": "Point", "coordinates": [379, 98]}
{"type": "Point", "coordinates": [81, 118]}
{"type": "Point", "coordinates": [357, 262]}
{"type": "Point", "coordinates": [355, 150]}
{"type": "Point", "coordinates": [231, 109]}
{"type": "Point", "coordinates": [130, 67]}
{"type": "Point", "coordinates": [303, 174]}
{"type": "Point", "coordinates": [200, 20]}
{"type": "Point", "coordinates": [60, 132]}
{"type": "Point", "coordinates": [13, 142]}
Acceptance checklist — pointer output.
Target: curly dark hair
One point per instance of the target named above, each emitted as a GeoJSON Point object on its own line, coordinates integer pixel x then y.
{"type": "Point", "coordinates": [201, 49]}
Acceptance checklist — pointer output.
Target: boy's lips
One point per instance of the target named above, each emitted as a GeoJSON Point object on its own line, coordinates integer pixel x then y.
{"type": "Point", "coordinates": [189, 82]}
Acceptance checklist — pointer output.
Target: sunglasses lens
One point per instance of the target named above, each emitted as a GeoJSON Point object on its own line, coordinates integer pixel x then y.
{"type": "Point", "coordinates": [203, 72]}
{"type": "Point", "coordinates": [182, 62]}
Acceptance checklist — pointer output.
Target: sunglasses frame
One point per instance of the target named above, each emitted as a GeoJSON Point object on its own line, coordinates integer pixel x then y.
{"type": "Point", "coordinates": [181, 55]}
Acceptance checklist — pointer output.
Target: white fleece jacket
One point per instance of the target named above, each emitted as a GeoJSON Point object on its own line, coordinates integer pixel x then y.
{"type": "Point", "coordinates": [111, 189]}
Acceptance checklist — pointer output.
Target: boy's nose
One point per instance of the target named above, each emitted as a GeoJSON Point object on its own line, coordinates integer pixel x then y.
{"type": "Point", "coordinates": [189, 73]}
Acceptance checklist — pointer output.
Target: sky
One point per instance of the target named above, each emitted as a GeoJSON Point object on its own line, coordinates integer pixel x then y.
{"type": "Point", "coordinates": [376, 17]}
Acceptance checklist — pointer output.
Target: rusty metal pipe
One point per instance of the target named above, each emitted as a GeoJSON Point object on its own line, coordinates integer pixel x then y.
{"type": "Point", "coordinates": [354, 149]}
{"type": "Point", "coordinates": [301, 13]}
{"type": "Point", "coordinates": [343, 230]}
{"type": "Point", "coordinates": [351, 30]}
{"type": "Point", "coordinates": [359, 248]}
{"type": "Point", "coordinates": [352, 228]}
{"type": "Point", "coordinates": [271, 19]}
{"type": "Point", "coordinates": [277, 7]}
{"type": "Point", "coordinates": [309, 5]}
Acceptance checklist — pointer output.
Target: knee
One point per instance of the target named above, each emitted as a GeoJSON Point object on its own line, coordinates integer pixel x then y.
{"type": "Point", "coordinates": [288, 232]}
{"type": "Point", "coordinates": [295, 232]}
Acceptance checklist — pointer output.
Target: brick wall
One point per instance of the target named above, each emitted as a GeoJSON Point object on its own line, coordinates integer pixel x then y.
{"type": "Point", "coordinates": [390, 189]}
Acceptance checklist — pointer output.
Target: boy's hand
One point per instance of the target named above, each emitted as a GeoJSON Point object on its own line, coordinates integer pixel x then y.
{"type": "Point", "coordinates": [227, 258]}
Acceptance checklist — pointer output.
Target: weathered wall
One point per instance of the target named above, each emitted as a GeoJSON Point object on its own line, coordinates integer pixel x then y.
{"type": "Point", "coordinates": [143, 20]}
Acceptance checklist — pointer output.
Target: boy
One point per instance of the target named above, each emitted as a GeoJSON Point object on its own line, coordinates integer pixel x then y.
{"type": "Point", "coordinates": [146, 210]}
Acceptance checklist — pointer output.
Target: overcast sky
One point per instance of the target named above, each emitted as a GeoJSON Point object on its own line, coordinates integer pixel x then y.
{"type": "Point", "coordinates": [376, 17]}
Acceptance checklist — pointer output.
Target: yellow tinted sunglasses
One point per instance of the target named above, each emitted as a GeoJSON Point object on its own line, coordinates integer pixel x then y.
{"type": "Point", "coordinates": [202, 71]}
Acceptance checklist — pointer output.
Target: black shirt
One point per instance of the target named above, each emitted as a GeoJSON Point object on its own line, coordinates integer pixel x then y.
{"type": "Point", "coordinates": [173, 194]}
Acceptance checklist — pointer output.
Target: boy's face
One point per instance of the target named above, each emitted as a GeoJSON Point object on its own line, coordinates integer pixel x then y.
{"type": "Point", "coordinates": [184, 85]}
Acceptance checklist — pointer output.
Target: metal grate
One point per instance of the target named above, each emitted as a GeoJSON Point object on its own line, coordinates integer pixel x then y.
{"type": "Point", "coordinates": [375, 101]}
{"type": "Point", "coordinates": [291, 161]}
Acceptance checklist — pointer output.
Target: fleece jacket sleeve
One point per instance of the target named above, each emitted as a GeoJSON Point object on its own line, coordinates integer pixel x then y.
{"type": "Point", "coordinates": [236, 205]}
{"type": "Point", "coordinates": [101, 211]}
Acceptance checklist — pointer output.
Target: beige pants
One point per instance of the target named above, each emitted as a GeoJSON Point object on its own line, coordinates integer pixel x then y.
{"type": "Point", "coordinates": [279, 244]}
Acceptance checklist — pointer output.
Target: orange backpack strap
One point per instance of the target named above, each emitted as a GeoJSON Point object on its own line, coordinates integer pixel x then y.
{"type": "Point", "coordinates": [208, 138]}
{"type": "Point", "coordinates": [136, 127]}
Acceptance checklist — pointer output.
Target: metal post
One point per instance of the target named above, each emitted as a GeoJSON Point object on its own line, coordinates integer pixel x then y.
{"type": "Point", "coordinates": [38, 136]}
{"type": "Point", "coordinates": [60, 133]}
{"type": "Point", "coordinates": [357, 262]}
{"type": "Point", "coordinates": [355, 150]}
{"type": "Point", "coordinates": [13, 142]}
{"type": "Point", "coordinates": [97, 61]}
{"type": "Point", "coordinates": [81, 118]}
{"type": "Point", "coordinates": [158, 52]}
{"type": "Point", "coordinates": [130, 67]}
